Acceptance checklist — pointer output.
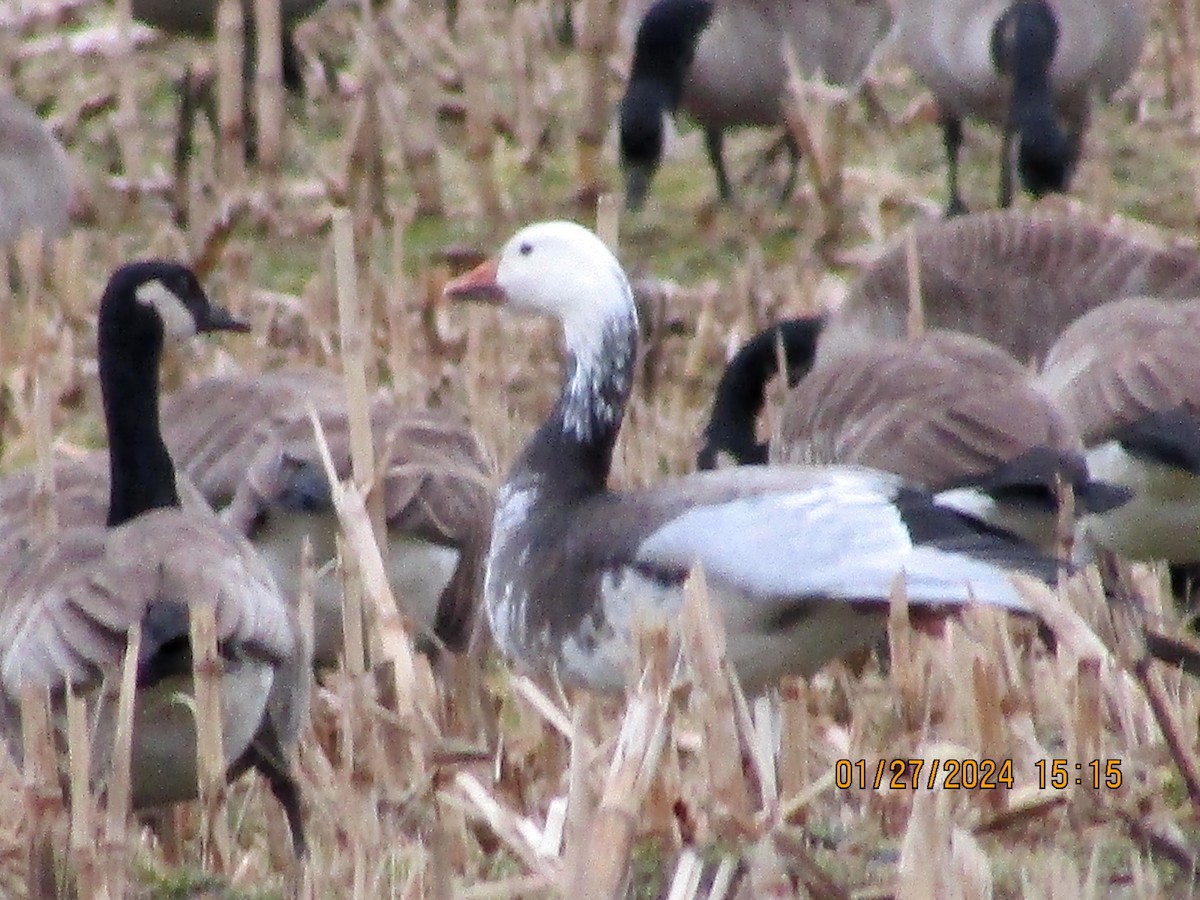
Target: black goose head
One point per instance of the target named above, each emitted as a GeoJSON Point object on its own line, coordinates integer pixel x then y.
{"type": "Point", "coordinates": [154, 302]}
{"type": "Point", "coordinates": [1024, 42]}
{"type": "Point", "coordinates": [662, 54]}
{"type": "Point", "coordinates": [145, 305]}
{"type": "Point", "coordinates": [741, 391]}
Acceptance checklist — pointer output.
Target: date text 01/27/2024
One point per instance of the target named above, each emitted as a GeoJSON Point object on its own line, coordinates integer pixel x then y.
{"type": "Point", "coordinates": [972, 774]}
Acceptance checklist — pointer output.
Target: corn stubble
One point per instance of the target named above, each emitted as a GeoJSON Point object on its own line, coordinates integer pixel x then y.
{"type": "Point", "coordinates": [490, 784]}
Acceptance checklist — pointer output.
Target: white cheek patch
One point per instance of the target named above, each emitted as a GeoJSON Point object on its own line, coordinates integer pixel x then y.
{"type": "Point", "coordinates": [178, 323]}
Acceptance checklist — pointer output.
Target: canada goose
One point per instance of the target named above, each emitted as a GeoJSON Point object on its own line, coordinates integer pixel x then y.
{"type": "Point", "coordinates": [1125, 375]}
{"type": "Point", "coordinates": [1031, 67]}
{"type": "Point", "coordinates": [1014, 278]}
{"type": "Point", "coordinates": [741, 391]}
{"type": "Point", "coordinates": [249, 446]}
{"type": "Point", "coordinates": [35, 182]}
{"type": "Point", "coordinates": [721, 62]}
{"type": "Point", "coordinates": [70, 598]}
{"type": "Point", "coordinates": [800, 560]}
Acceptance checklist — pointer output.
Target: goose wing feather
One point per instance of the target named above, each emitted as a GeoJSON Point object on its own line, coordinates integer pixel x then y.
{"type": "Point", "coordinates": [830, 533]}
{"type": "Point", "coordinates": [69, 605]}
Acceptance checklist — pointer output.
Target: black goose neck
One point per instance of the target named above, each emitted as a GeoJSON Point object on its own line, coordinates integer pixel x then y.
{"type": "Point", "coordinates": [572, 452]}
{"type": "Point", "coordinates": [142, 476]}
{"type": "Point", "coordinates": [741, 392]}
{"type": "Point", "coordinates": [1023, 45]}
{"type": "Point", "coordinates": [666, 44]}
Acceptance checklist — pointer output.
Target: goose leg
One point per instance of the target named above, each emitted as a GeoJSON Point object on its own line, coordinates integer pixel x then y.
{"type": "Point", "coordinates": [185, 125]}
{"type": "Point", "coordinates": [1006, 167]}
{"type": "Point", "coordinates": [271, 765]}
{"type": "Point", "coordinates": [952, 138]}
{"type": "Point", "coordinates": [714, 145]}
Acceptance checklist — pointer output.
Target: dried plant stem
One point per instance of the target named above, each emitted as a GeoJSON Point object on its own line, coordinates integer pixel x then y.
{"type": "Point", "coordinates": [703, 638]}
{"type": "Point", "coordinates": [43, 798]}
{"type": "Point", "coordinates": [128, 132]}
{"type": "Point", "coordinates": [916, 299]}
{"type": "Point", "coordinates": [44, 512]}
{"type": "Point", "coordinates": [481, 136]}
{"type": "Point", "coordinates": [230, 91]}
{"type": "Point", "coordinates": [210, 754]}
{"type": "Point", "coordinates": [268, 84]}
{"type": "Point", "coordinates": [597, 35]}
{"type": "Point", "coordinates": [83, 838]}
{"type": "Point", "coordinates": [119, 795]}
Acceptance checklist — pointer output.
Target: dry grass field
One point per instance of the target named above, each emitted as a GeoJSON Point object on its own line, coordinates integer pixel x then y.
{"type": "Point", "coordinates": [481, 783]}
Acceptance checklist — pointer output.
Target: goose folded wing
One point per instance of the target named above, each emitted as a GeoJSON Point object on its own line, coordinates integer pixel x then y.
{"type": "Point", "coordinates": [845, 535]}
{"type": "Point", "coordinates": [70, 607]}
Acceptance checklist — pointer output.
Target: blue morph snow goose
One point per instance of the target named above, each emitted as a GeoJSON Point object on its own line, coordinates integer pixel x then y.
{"type": "Point", "coordinates": [68, 600]}
{"type": "Point", "coordinates": [800, 560]}
{"type": "Point", "coordinates": [1031, 67]}
{"type": "Point", "coordinates": [722, 63]}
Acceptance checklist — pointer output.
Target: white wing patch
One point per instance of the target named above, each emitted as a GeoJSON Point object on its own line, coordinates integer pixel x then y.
{"type": "Point", "coordinates": [179, 324]}
{"type": "Point", "coordinates": [842, 539]}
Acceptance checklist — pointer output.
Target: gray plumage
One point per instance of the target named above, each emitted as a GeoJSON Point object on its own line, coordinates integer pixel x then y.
{"type": "Point", "coordinates": [946, 411]}
{"type": "Point", "coordinates": [248, 444]}
{"type": "Point", "coordinates": [69, 599]}
{"type": "Point", "coordinates": [1126, 376]}
{"type": "Point", "coordinates": [722, 63]}
{"type": "Point", "coordinates": [1030, 67]}
{"type": "Point", "coordinates": [1015, 278]}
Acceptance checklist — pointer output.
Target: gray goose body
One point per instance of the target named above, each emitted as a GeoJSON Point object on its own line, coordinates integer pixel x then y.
{"type": "Point", "coordinates": [248, 444]}
{"type": "Point", "coordinates": [1015, 278]}
{"type": "Point", "coordinates": [1125, 375]}
{"type": "Point", "coordinates": [1030, 68]}
{"type": "Point", "coordinates": [800, 560]}
{"type": "Point", "coordinates": [35, 182]}
{"type": "Point", "coordinates": [70, 598]}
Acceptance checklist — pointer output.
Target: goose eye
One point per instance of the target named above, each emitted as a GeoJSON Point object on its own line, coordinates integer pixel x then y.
{"type": "Point", "coordinates": [525, 249]}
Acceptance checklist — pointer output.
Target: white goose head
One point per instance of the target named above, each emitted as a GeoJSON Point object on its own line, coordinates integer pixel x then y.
{"type": "Point", "coordinates": [563, 270]}
{"type": "Point", "coordinates": [557, 269]}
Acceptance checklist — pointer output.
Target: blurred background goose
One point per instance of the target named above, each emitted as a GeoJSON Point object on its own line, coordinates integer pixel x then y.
{"type": "Point", "coordinates": [70, 598]}
{"type": "Point", "coordinates": [721, 62]}
{"type": "Point", "coordinates": [1015, 278]}
{"type": "Point", "coordinates": [800, 561]}
{"type": "Point", "coordinates": [35, 180]}
{"type": "Point", "coordinates": [1126, 376]}
{"type": "Point", "coordinates": [247, 443]}
{"type": "Point", "coordinates": [1030, 67]}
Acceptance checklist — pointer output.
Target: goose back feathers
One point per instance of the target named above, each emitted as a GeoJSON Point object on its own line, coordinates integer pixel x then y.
{"type": "Point", "coordinates": [1014, 278]}
{"type": "Point", "coordinates": [800, 560]}
{"type": "Point", "coordinates": [1125, 375]}
{"type": "Point", "coordinates": [249, 445]}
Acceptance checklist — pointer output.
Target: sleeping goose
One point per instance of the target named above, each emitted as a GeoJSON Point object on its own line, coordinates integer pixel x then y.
{"type": "Point", "coordinates": [35, 181]}
{"type": "Point", "coordinates": [70, 598]}
{"type": "Point", "coordinates": [721, 62]}
{"type": "Point", "coordinates": [800, 560]}
{"type": "Point", "coordinates": [247, 443]}
{"type": "Point", "coordinates": [1125, 375]}
{"type": "Point", "coordinates": [1015, 278]}
{"type": "Point", "coordinates": [1030, 67]}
